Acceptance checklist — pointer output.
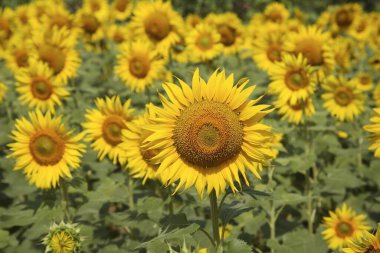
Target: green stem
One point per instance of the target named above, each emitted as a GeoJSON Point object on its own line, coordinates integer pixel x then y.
{"type": "Point", "coordinates": [214, 218]}
{"type": "Point", "coordinates": [65, 199]}
{"type": "Point", "coordinates": [272, 214]}
{"type": "Point", "coordinates": [171, 204]}
{"type": "Point", "coordinates": [130, 191]}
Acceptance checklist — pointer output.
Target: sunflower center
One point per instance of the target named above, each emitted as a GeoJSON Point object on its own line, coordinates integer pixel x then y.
{"type": "Point", "coordinates": [157, 26]}
{"type": "Point", "coordinates": [41, 88]}
{"type": "Point", "coordinates": [62, 242]}
{"type": "Point", "coordinates": [208, 134]}
{"type": "Point", "coordinates": [95, 5]}
{"type": "Point", "coordinates": [365, 79]}
{"type": "Point", "coordinates": [344, 229]}
{"type": "Point", "coordinates": [312, 50]}
{"type": "Point", "coordinates": [4, 26]}
{"type": "Point", "coordinates": [343, 18]}
{"type": "Point", "coordinates": [228, 35]}
{"type": "Point", "coordinates": [53, 56]}
{"type": "Point", "coordinates": [90, 24]}
{"type": "Point", "coordinates": [139, 66]}
{"type": "Point", "coordinates": [296, 79]}
{"type": "Point", "coordinates": [59, 21]}
{"type": "Point", "coordinates": [112, 128]}
{"type": "Point", "coordinates": [343, 96]}
{"type": "Point", "coordinates": [121, 5]}
{"type": "Point", "coordinates": [204, 41]}
{"type": "Point", "coordinates": [274, 52]}
{"type": "Point", "coordinates": [118, 37]}
{"type": "Point", "coordinates": [47, 147]}
{"type": "Point", "coordinates": [21, 57]}
{"type": "Point", "coordinates": [274, 16]}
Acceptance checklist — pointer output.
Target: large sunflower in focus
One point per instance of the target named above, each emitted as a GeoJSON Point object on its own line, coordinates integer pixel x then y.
{"type": "Point", "coordinates": [138, 65]}
{"type": "Point", "coordinates": [157, 22]}
{"type": "Point", "coordinates": [367, 243]}
{"type": "Point", "coordinates": [203, 43]}
{"type": "Point", "coordinates": [45, 149]}
{"type": "Point", "coordinates": [104, 126]}
{"type": "Point", "coordinates": [208, 134]}
{"type": "Point", "coordinates": [342, 226]}
{"type": "Point", "coordinates": [138, 159]}
{"type": "Point", "coordinates": [39, 88]}
{"type": "Point", "coordinates": [315, 45]}
{"type": "Point", "coordinates": [292, 79]}
{"type": "Point", "coordinates": [342, 98]}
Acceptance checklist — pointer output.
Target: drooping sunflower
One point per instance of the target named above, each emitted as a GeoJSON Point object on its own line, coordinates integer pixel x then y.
{"type": "Point", "coordinates": [363, 81]}
{"type": "Point", "coordinates": [292, 79]}
{"type": "Point", "coordinates": [342, 98]}
{"type": "Point", "coordinates": [295, 113]}
{"type": "Point", "coordinates": [3, 90]}
{"type": "Point", "coordinates": [104, 126]}
{"type": "Point", "coordinates": [208, 134]}
{"type": "Point", "coordinates": [367, 243]}
{"type": "Point", "coordinates": [121, 9]}
{"type": "Point", "coordinates": [203, 43]}
{"type": "Point", "coordinates": [55, 48]}
{"type": "Point", "coordinates": [268, 49]}
{"type": "Point", "coordinates": [276, 13]}
{"type": "Point", "coordinates": [157, 22]}
{"type": "Point", "coordinates": [39, 88]}
{"type": "Point", "coordinates": [138, 159]}
{"type": "Point", "coordinates": [44, 149]}
{"type": "Point", "coordinates": [342, 226]}
{"type": "Point", "coordinates": [315, 45]}
{"type": "Point", "coordinates": [138, 65]}
{"type": "Point", "coordinates": [374, 129]}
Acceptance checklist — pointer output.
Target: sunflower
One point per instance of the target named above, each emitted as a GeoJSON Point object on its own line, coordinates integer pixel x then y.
{"type": "Point", "coordinates": [6, 26]}
{"type": "Point", "coordinates": [361, 28]}
{"type": "Point", "coordinates": [39, 88]}
{"type": "Point", "coordinates": [192, 20]}
{"type": "Point", "coordinates": [295, 113]}
{"type": "Point", "coordinates": [104, 126]}
{"type": "Point", "coordinates": [3, 90]}
{"type": "Point", "coordinates": [367, 243]}
{"type": "Point", "coordinates": [342, 226]}
{"type": "Point", "coordinates": [121, 9]}
{"type": "Point", "coordinates": [364, 81]}
{"type": "Point", "coordinates": [315, 46]}
{"type": "Point", "coordinates": [292, 79]}
{"type": "Point", "coordinates": [57, 16]}
{"type": "Point", "coordinates": [376, 95]}
{"type": "Point", "coordinates": [138, 158]}
{"type": "Point", "coordinates": [276, 13]}
{"type": "Point", "coordinates": [343, 53]}
{"type": "Point", "coordinates": [17, 53]}
{"type": "Point", "coordinates": [374, 129]}
{"type": "Point", "coordinates": [118, 33]}
{"type": "Point", "coordinates": [179, 50]}
{"type": "Point", "coordinates": [204, 43]}
{"type": "Point", "coordinates": [229, 26]}
{"type": "Point", "coordinates": [344, 15]}
{"type": "Point", "coordinates": [63, 238]}
{"type": "Point", "coordinates": [342, 98]}
{"type": "Point", "coordinates": [268, 49]}
{"type": "Point", "coordinates": [99, 8]}
{"type": "Point", "coordinates": [138, 65]}
{"type": "Point", "coordinates": [55, 48]}
{"type": "Point", "coordinates": [45, 149]}
{"type": "Point", "coordinates": [157, 22]}
{"type": "Point", "coordinates": [209, 134]}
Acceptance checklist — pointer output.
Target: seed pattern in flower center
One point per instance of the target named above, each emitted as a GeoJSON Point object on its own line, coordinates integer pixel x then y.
{"type": "Point", "coordinates": [53, 56]}
{"type": "Point", "coordinates": [41, 88]}
{"type": "Point", "coordinates": [204, 41]}
{"type": "Point", "coordinates": [121, 5]}
{"type": "Point", "coordinates": [274, 52]}
{"type": "Point", "coordinates": [208, 134]}
{"type": "Point", "coordinates": [157, 26]}
{"type": "Point", "coordinates": [343, 96]}
{"type": "Point", "coordinates": [228, 35]}
{"type": "Point", "coordinates": [344, 229]}
{"type": "Point", "coordinates": [47, 147]}
{"type": "Point", "coordinates": [139, 66]}
{"type": "Point", "coordinates": [312, 50]}
{"type": "Point", "coordinates": [296, 79]}
{"type": "Point", "coordinates": [112, 128]}
{"type": "Point", "coordinates": [90, 24]}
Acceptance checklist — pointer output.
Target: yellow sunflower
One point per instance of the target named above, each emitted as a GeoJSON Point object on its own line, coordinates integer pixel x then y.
{"type": "Point", "coordinates": [342, 98]}
{"type": "Point", "coordinates": [203, 43]}
{"type": "Point", "coordinates": [118, 33]}
{"type": "Point", "coordinates": [22, 16]}
{"type": "Point", "coordinates": [138, 65]}
{"type": "Point", "coordinates": [55, 48]}
{"type": "Point", "coordinates": [3, 90]}
{"type": "Point", "coordinates": [45, 149]}
{"type": "Point", "coordinates": [344, 15]}
{"type": "Point", "coordinates": [361, 28]}
{"type": "Point", "coordinates": [6, 26]}
{"type": "Point", "coordinates": [192, 20]}
{"type": "Point", "coordinates": [376, 95]}
{"type": "Point", "coordinates": [229, 26]}
{"type": "Point", "coordinates": [39, 88]}
{"type": "Point", "coordinates": [121, 9]}
{"type": "Point", "coordinates": [276, 13]}
{"type": "Point", "coordinates": [295, 113]}
{"type": "Point", "coordinates": [292, 79]}
{"type": "Point", "coordinates": [99, 8]}
{"type": "Point", "coordinates": [104, 126]}
{"type": "Point", "coordinates": [367, 243]}
{"type": "Point", "coordinates": [342, 226]}
{"type": "Point", "coordinates": [179, 50]}
{"type": "Point", "coordinates": [138, 158]}
{"type": "Point", "coordinates": [363, 81]}
{"type": "Point", "coordinates": [343, 53]}
{"type": "Point", "coordinates": [374, 129]}
{"type": "Point", "coordinates": [208, 134]}
{"type": "Point", "coordinates": [157, 22]}
{"type": "Point", "coordinates": [268, 49]}
{"type": "Point", "coordinates": [315, 45]}
{"type": "Point", "coordinates": [57, 16]}
{"type": "Point", "coordinates": [17, 53]}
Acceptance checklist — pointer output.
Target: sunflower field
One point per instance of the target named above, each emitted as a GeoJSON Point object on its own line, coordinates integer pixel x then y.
{"type": "Point", "coordinates": [158, 126]}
